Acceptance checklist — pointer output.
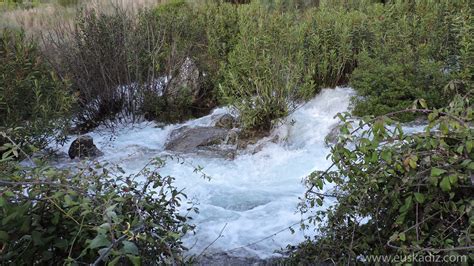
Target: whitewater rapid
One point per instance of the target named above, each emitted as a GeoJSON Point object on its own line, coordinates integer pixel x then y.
{"type": "Point", "coordinates": [248, 198]}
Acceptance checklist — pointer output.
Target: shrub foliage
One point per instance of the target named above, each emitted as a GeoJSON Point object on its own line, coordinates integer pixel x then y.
{"type": "Point", "coordinates": [31, 95]}
{"type": "Point", "coordinates": [54, 216]}
{"type": "Point", "coordinates": [397, 192]}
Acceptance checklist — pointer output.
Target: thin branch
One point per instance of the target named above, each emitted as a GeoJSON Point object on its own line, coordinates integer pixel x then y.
{"type": "Point", "coordinates": [219, 236]}
{"type": "Point", "coordinates": [114, 244]}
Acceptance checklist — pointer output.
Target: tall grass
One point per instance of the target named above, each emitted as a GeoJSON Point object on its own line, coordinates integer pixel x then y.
{"type": "Point", "coordinates": [38, 17]}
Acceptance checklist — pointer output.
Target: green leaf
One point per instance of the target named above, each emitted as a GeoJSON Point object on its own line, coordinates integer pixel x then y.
{"type": "Point", "coordinates": [114, 261]}
{"type": "Point", "coordinates": [402, 236]}
{"type": "Point", "coordinates": [420, 198]}
{"type": "Point", "coordinates": [437, 172]}
{"type": "Point", "coordinates": [445, 184]}
{"type": "Point", "coordinates": [37, 238]}
{"type": "Point", "coordinates": [99, 241]}
{"type": "Point", "coordinates": [469, 145]}
{"type": "Point", "coordinates": [443, 126]}
{"type": "Point", "coordinates": [433, 180]}
{"type": "Point", "coordinates": [9, 217]}
{"type": "Point", "coordinates": [135, 260]}
{"type": "Point", "coordinates": [3, 236]}
{"type": "Point", "coordinates": [3, 202]}
{"type": "Point", "coordinates": [130, 248]}
{"type": "Point", "coordinates": [453, 179]}
{"type": "Point", "coordinates": [423, 103]}
{"type": "Point", "coordinates": [387, 156]}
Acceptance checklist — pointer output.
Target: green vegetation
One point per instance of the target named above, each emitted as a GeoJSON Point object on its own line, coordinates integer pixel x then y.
{"type": "Point", "coordinates": [412, 55]}
{"type": "Point", "coordinates": [265, 73]}
{"type": "Point", "coordinates": [54, 216]}
{"type": "Point", "coordinates": [397, 193]}
{"type": "Point", "coordinates": [264, 57]}
{"type": "Point", "coordinates": [32, 96]}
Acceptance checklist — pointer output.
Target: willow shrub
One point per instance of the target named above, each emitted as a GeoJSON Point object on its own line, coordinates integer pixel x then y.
{"type": "Point", "coordinates": [413, 53]}
{"type": "Point", "coordinates": [266, 74]}
{"type": "Point", "coordinates": [397, 192]}
{"type": "Point", "coordinates": [32, 96]}
{"type": "Point", "coordinates": [333, 39]}
{"type": "Point", "coordinates": [284, 54]}
{"type": "Point", "coordinates": [221, 23]}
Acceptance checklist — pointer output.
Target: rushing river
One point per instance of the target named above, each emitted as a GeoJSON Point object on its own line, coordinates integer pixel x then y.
{"type": "Point", "coordinates": [248, 198]}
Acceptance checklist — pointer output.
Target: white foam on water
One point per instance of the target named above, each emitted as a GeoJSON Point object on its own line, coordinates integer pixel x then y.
{"type": "Point", "coordinates": [252, 196]}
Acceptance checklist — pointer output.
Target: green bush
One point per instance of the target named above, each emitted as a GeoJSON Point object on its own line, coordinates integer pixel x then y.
{"type": "Point", "coordinates": [265, 75]}
{"type": "Point", "coordinates": [413, 53]}
{"type": "Point", "coordinates": [53, 216]}
{"type": "Point", "coordinates": [31, 95]}
{"type": "Point", "coordinates": [222, 33]}
{"type": "Point", "coordinates": [178, 29]}
{"type": "Point", "coordinates": [115, 59]}
{"type": "Point", "coordinates": [397, 193]}
{"type": "Point", "coordinates": [333, 38]}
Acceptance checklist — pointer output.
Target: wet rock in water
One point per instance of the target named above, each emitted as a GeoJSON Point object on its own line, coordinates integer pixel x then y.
{"type": "Point", "coordinates": [187, 140]}
{"type": "Point", "coordinates": [83, 147]}
{"type": "Point", "coordinates": [227, 259]}
{"type": "Point", "coordinates": [333, 135]}
{"type": "Point", "coordinates": [232, 138]}
{"type": "Point", "coordinates": [226, 121]}
{"type": "Point", "coordinates": [251, 138]}
{"type": "Point", "coordinates": [50, 155]}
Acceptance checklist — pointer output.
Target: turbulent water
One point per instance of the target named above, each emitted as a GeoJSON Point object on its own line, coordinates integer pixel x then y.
{"type": "Point", "coordinates": [248, 198]}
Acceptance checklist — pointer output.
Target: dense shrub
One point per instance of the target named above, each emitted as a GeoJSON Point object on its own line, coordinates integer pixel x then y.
{"type": "Point", "coordinates": [95, 55]}
{"type": "Point", "coordinates": [413, 53]}
{"type": "Point", "coordinates": [53, 216]}
{"type": "Point", "coordinates": [333, 38]}
{"type": "Point", "coordinates": [397, 193]}
{"type": "Point", "coordinates": [222, 33]}
{"type": "Point", "coordinates": [265, 74]}
{"type": "Point", "coordinates": [180, 33]}
{"type": "Point", "coordinates": [118, 61]}
{"type": "Point", "coordinates": [31, 95]}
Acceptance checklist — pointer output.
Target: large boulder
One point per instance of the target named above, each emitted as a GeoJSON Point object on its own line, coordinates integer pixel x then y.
{"type": "Point", "coordinates": [83, 147]}
{"type": "Point", "coordinates": [185, 84]}
{"type": "Point", "coordinates": [188, 140]}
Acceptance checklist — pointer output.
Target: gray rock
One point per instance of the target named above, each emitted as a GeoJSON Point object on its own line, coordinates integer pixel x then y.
{"type": "Point", "coordinates": [228, 259]}
{"type": "Point", "coordinates": [232, 138]}
{"type": "Point", "coordinates": [333, 135]}
{"type": "Point", "coordinates": [188, 140]}
{"type": "Point", "coordinates": [83, 147]}
{"type": "Point", "coordinates": [226, 121]}
{"type": "Point", "coordinates": [185, 85]}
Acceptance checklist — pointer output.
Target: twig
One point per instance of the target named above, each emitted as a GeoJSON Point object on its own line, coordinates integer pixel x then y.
{"type": "Point", "coordinates": [219, 236]}
{"type": "Point", "coordinates": [18, 147]}
{"type": "Point", "coordinates": [428, 249]}
{"type": "Point", "coordinates": [115, 243]}
{"type": "Point", "coordinates": [270, 236]}
{"type": "Point", "coordinates": [74, 240]}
